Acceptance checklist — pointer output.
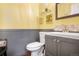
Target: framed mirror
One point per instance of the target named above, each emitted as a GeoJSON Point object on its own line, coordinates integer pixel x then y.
{"type": "Point", "coordinates": [66, 10]}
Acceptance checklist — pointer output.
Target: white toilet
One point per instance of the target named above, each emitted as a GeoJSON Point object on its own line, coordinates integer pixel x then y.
{"type": "Point", "coordinates": [36, 48]}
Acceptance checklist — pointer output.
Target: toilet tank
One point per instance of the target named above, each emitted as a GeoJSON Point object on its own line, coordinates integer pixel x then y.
{"type": "Point", "coordinates": [42, 37]}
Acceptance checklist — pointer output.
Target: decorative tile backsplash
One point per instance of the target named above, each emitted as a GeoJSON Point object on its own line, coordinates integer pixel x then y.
{"type": "Point", "coordinates": [59, 28]}
{"type": "Point", "coordinates": [67, 28]}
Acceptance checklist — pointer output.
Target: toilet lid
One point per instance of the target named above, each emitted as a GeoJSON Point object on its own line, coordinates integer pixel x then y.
{"type": "Point", "coordinates": [34, 44]}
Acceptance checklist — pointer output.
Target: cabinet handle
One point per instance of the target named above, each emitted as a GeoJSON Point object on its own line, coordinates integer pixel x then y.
{"type": "Point", "coordinates": [54, 40]}
{"type": "Point", "coordinates": [58, 40]}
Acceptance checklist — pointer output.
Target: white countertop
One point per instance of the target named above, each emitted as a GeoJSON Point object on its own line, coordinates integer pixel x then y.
{"type": "Point", "coordinates": [59, 34]}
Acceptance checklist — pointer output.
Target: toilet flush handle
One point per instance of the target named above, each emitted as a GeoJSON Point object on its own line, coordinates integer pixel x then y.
{"type": "Point", "coordinates": [58, 41]}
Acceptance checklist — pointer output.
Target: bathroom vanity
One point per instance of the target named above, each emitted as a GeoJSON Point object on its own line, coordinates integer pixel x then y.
{"type": "Point", "coordinates": [60, 43]}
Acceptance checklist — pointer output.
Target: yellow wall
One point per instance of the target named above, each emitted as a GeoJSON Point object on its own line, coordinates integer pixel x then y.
{"type": "Point", "coordinates": [26, 16]}
{"type": "Point", "coordinates": [17, 16]}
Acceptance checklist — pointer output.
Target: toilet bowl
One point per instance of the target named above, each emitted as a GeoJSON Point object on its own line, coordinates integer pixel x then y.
{"type": "Point", "coordinates": [36, 48]}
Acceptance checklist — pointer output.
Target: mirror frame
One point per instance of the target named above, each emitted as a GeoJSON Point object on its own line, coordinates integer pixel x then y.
{"type": "Point", "coordinates": [68, 16]}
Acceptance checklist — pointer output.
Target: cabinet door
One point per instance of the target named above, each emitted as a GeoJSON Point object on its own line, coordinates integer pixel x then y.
{"type": "Point", "coordinates": [50, 46]}
{"type": "Point", "coordinates": [68, 47]}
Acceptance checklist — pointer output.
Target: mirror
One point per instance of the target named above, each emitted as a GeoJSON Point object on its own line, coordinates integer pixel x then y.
{"type": "Point", "coordinates": [66, 10]}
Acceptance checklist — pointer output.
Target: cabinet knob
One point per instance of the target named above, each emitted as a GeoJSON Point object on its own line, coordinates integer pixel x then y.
{"type": "Point", "coordinates": [54, 40]}
{"type": "Point", "coordinates": [58, 40]}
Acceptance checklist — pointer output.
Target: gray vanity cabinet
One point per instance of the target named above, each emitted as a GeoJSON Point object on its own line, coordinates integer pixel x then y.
{"type": "Point", "coordinates": [61, 46]}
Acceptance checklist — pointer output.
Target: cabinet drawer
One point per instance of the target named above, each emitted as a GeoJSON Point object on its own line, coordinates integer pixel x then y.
{"type": "Point", "coordinates": [68, 40]}
{"type": "Point", "coordinates": [49, 37]}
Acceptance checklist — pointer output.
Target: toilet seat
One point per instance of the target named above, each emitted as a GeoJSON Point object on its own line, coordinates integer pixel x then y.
{"type": "Point", "coordinates": [34, 46]}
